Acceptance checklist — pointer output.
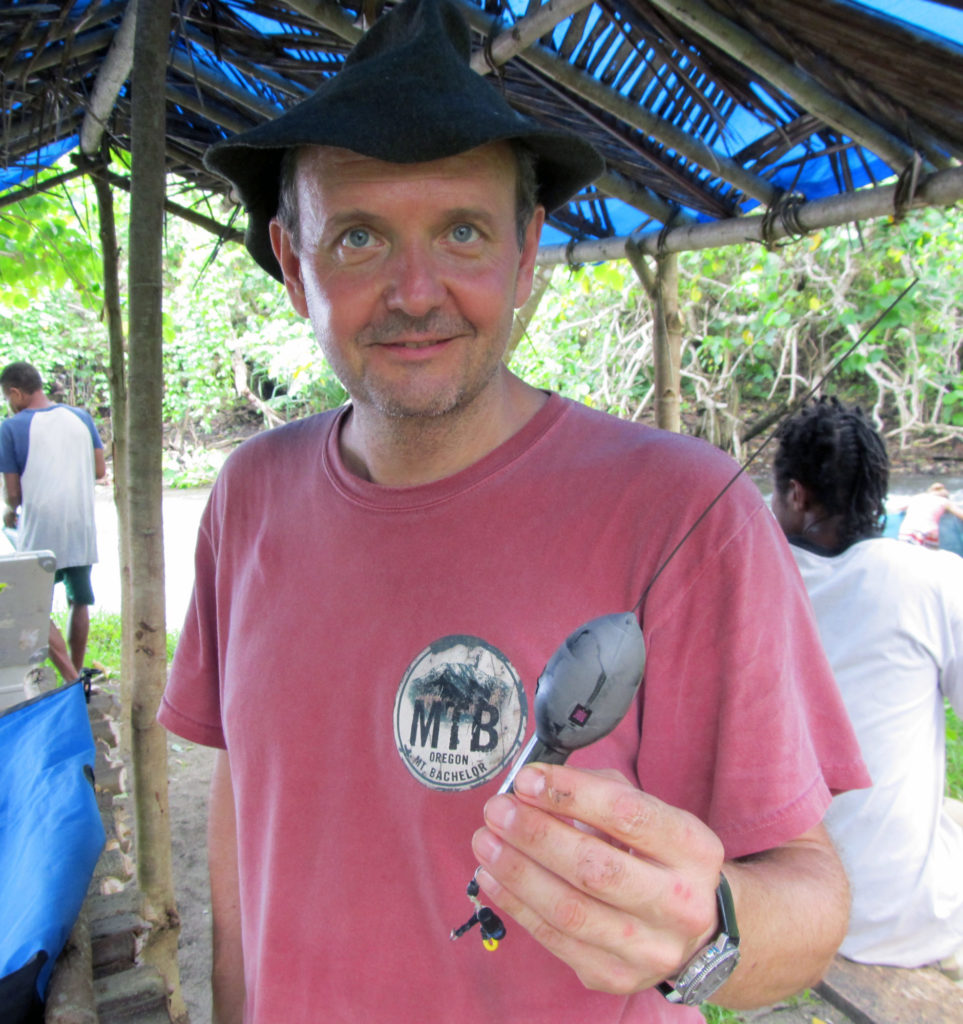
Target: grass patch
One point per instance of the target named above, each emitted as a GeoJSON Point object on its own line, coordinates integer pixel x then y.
{"type": "Point", "coordinates": [954, 754]}
{"type": "Point", "coordinates": [719, 1015]}
{"type": "Point", "coordinates": [103, 643]}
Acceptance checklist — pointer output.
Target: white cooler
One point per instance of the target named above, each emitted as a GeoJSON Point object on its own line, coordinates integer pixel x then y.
{"type": "Point", "coordinates": [26, 594]}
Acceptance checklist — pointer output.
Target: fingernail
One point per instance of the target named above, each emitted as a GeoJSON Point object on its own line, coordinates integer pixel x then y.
{"type": "Point", "coordinates": [487, 882]}
{"type": "Point", "coordinates": [530, 782]}
{"type": "Point", "coordinates": [500, 811]}
{"type": "Point", "coordinates": [485, 846]}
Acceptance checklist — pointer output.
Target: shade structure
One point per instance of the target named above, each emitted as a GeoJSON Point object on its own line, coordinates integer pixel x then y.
{"type": "Point", "coordinates": [704, 110]}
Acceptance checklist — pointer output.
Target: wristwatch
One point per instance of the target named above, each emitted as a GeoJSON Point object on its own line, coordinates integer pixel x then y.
{"type": "Point", "coordinates": [710, 967]}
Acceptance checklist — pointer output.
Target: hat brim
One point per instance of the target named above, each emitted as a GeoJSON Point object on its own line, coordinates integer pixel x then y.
{"type": "Point", "coordinates": [560, 171]}
{"type": "Point", "coordinates": [406, 94]}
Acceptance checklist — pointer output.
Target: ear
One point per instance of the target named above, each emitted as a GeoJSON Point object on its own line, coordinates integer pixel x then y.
{"type": "Point", "coordinates": [290, 262]}
{"type": "Point", "coordinates": [529, 253]}
{"type": "Point", "coordinates": [798, 497]}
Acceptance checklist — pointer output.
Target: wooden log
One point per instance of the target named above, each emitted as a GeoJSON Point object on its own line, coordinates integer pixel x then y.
{"type": "Point", "coordinates": [870, 994]}
{"type": "Point", "coordinates": [70, 997]}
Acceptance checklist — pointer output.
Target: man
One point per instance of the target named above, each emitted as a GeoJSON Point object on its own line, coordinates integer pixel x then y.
{"type": "Point", "coordinates": [50, 456]}
{"type": "Point", "coordinates": [891, 619]}
{"type": "Point", "coordinates": [921, 523]}
{"type": "Point", "coordinates": [379, 587]}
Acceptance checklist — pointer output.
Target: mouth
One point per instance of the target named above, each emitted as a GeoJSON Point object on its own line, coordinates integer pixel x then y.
{"type": "Point", "coordinates": [400, 333]}
{"type": "Point", "coordinates": [429, 343]}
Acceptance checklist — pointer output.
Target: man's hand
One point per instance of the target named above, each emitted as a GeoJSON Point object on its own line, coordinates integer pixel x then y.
{"type": "Point", "coordinates": [11, 518]}
{"type": "Point", "coordinates": [625, 906]}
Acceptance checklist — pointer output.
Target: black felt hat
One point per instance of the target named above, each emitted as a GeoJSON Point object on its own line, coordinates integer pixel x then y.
{"type": "Point", "coordinates": [406, 94]}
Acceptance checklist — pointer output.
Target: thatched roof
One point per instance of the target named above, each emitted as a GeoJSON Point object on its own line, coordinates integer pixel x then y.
{"type": "Point", "coordinates": [703, 109]}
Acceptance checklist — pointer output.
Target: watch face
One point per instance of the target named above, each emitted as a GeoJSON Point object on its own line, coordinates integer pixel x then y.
{"type": "Point", "coordinates": [707, 974]}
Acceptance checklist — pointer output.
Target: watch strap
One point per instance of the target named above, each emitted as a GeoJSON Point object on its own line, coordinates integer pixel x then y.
{"type": "Point", "coordinates": [698, 979]}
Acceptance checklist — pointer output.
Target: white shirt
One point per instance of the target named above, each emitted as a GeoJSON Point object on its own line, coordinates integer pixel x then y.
{"type": "Point", "coordinates": [58, 488]}
{"type": "Point", "coordinates": [891, 619]}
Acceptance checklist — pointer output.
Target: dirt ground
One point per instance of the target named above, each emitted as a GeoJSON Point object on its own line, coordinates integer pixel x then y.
{"type": "Point", "coordinates": [189, 774]}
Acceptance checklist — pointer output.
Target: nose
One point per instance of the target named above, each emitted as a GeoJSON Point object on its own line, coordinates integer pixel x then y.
{"type": "Point", "coordinates": [415, 285]}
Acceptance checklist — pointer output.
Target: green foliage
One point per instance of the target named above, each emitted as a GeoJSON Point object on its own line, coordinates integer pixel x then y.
{"type": "Point", "coordinates": [231, 341]}
{"type": "Point", "coordinates": [954, 754]}
{"type": "Point", "coordinates": [763, 326]}
{"type": "Point", "coordinates": [50, 241]}
{"type": "Point", "coordinates": [799, 308]}
{"type": "Point", "coordinates": [587, 340]}
{"type": "Point", "coordinates": [760, 326]}
{"type": "Point", "coordinates": [103, 643]}
{"type": "Point", "coordinates": [52, 291]}
{"type": "Point", "coordinates": [719, 1014]}
{"type": "Point", "coordinates": [193, 467]}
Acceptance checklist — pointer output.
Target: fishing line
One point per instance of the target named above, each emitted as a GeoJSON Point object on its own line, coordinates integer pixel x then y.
{"type": "Point", "coordinates": [593, 677]}
{"type": "Point", "coordinates": [792, 409]}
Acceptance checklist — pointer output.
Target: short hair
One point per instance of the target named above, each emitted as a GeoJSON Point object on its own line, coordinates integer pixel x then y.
{"type": "Point", "coordinates": [23, 376]}
{"type": "Point", "coordinates": [834, 451]}
{"type": "Point", "coordinates": [526, 191]}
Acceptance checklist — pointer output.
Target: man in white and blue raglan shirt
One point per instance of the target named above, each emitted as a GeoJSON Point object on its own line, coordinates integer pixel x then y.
{"type": "Point", "coordinates": [50, 456]}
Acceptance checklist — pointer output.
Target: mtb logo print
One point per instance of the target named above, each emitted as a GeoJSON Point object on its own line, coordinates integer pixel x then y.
{"type": "Point", "coordinates": [460, 714]}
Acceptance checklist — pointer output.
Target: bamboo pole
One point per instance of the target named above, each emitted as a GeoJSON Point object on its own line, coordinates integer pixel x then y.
{"type": "Point", "coordinates": [149, 639]}
{"type": "Point", "coordinates": [665, 132]}
{"type": "Point", "coordinates": [332, 17]}
{"type": "Point", "coordinates": [329, 15]}
{"type": "Point", "coordinates": [117, 380]}
{"type": "Point", "coordinates": [526, 31]}
{"type": "Point", "coordinates": [708, 23]}
{"type": "Point", "coordinates": [668, 347]}
{"type": "Point", "coordinates": [940, 189]}
{"type": "Point", "coordinates": [662, 290]}
{"type": "Point", "coordinates": [523, 315]}
{"type": "Point", "coordinates": [619, 187]}
{"type": "Point", "coordinates": [111, 76]}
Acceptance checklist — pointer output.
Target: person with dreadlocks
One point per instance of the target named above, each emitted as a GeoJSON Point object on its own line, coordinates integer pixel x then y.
{"type": "Point", "coordinates": [891, 619]}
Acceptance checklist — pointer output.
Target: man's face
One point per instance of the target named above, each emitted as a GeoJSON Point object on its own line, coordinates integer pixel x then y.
{"type": "Point", "coordinates": [410, 273]}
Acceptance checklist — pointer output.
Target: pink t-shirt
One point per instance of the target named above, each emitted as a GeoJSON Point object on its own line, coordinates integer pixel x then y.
{"type": "Point", "coordinates": [368, 656]}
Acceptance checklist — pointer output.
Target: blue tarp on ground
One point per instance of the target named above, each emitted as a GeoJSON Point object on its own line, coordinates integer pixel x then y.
{"type": "Point", "coordinates": [51, 835]}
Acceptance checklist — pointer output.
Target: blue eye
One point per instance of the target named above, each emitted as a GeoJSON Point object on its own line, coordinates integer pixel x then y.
{"type": "Point", "coordinates": [464, 233]}
{"type": "Point", "coordinates": [357, 238]}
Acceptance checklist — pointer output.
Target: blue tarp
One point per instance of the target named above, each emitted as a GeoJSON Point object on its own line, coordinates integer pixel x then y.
{"type": "Point", "coordinates": [810, 167]}
{"type": "Point", "coordinates": [51, 835]}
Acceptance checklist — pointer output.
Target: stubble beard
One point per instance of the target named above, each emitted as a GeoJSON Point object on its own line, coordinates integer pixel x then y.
{"type": "Point", "coordinates": [400, 404]}
{"type": "Point", "coordinates": [407, 411]}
